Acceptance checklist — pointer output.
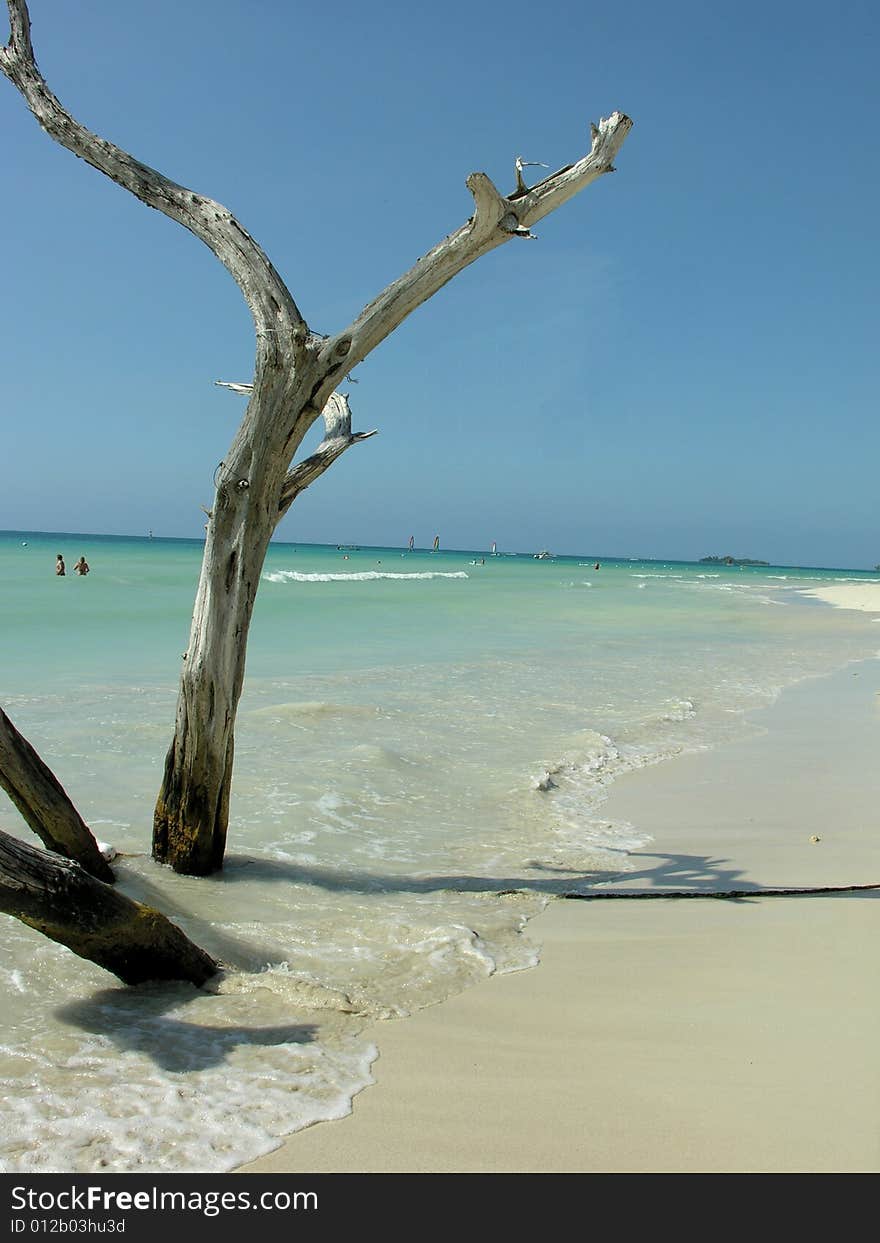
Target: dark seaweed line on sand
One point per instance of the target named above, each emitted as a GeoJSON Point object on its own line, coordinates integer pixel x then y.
{"type": "Point", "coordinates": [724, 893]}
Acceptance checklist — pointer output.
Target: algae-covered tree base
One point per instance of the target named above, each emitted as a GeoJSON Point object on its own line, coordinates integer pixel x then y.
{"type": "Point", "coordinates": [58, 898]}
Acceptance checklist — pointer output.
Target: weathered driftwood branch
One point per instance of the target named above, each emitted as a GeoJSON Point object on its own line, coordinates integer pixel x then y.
{"type": "Point", "coordinates": [496, 220]}
{"type": "Point", "coordinates": [715, 893]}
{"type": "Point", "coordinates": [44, 803]}
{"type": "Point", "coordinates": [337, 438]}
{"type": "Point", "coordinates": [266, 294]}
{"type": "Point", "coordinates": [59, 899]}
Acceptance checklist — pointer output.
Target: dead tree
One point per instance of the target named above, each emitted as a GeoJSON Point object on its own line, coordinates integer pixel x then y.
{"type": "Point", "coordinates": [58, 898]}
{"type": "Point", "coordinates": [296, 374]}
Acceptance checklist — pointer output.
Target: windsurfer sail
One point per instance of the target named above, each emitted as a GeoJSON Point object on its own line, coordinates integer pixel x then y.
{"type": "Point", "coordinates": [436, 543]}
{"type": "Point", "coordinates": [494, 549]}
{"type": "Point", "coordinates": [412, 540]}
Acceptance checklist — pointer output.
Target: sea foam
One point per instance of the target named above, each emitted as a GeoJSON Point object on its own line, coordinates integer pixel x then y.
{"type": "Point", "coordinates": [356, 576]}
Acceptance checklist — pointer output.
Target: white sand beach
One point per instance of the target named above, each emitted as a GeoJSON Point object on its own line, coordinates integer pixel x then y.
{"type": "Point", "coordinates": [671, 1035]}
{"type": "Point", "coordinates": [862, 596]}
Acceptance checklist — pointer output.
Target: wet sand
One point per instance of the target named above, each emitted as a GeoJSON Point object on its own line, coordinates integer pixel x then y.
{"type": "Point", "coordinates": [671, 1035]}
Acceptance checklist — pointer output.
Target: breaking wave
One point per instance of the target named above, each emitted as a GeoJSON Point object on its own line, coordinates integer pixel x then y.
{"type": "Point", "coordinates": [356, 576]}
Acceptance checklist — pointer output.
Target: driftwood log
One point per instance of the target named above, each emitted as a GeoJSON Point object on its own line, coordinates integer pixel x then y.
{"type": "Point", "coordinates": [44, 803]}
{"type": "Point", "coordinates": [58, 898]}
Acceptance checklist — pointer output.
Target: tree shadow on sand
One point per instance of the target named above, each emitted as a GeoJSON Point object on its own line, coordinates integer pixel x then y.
{"type": "Point", "coordinates": [660, 875]}
{"type": "Point", "coordinates": [696, 871]}
{"type": "Point", "coordinates": [700, 875]}
{"type": "Point", "coordinates": [135, 1019]}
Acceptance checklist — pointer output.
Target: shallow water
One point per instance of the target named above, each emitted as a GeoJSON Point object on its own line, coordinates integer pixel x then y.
{"type": "Point", "coordinates": [419, 733]}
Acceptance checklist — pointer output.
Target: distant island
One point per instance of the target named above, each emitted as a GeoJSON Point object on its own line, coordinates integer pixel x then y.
{"type": "Point", "coordinates": [730, 561]}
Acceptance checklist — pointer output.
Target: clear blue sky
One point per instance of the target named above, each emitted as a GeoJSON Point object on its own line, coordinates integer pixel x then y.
{"type": "Point", "coordinates": [685, 362]}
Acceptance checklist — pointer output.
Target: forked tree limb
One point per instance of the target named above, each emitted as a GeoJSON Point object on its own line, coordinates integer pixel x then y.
{"type": "Point", "coordinates": [44, 803]}
{"type": "Point", "coordinates": [282, 333]}
{"type": "Point", "coordinates": [56, 897]}
{"type": "Point", "coordinates": [284, 339]}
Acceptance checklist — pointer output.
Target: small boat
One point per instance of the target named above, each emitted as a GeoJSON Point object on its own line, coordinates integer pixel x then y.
{"type": "Point", "coordinates": [494, 549]}
{"type": "Point", "coordinates": [543, 555]}
{"type": "Point", "coordinates": [348, 547]}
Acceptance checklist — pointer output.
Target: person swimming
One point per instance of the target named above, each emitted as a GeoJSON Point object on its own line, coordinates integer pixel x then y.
{"type": "Point", "coordinates": [59, 566]}
{"type": "Point", "coordinates": [81, 567]}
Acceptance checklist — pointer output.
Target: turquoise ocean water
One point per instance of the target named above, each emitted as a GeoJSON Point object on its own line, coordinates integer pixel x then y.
{"type": "Point", "coordinates": [419, 733]}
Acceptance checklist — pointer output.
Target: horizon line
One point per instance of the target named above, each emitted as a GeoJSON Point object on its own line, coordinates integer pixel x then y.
{"type": "Point", "coordinates": [194, 539]}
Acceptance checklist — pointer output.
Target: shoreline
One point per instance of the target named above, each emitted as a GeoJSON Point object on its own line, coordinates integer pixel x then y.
{"type": "Point", "coordinates": [670, 1036]}
{"type": "Point", "coordinates": [862, 596]}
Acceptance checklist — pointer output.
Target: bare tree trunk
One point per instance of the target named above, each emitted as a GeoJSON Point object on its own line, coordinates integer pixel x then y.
{"type": "Point", "coordinates": [44, 804]}
{"type": "Point", "coordinates": [192, 810]}
{"type": "Point", "coordinates": [295, 378]}
{"type": "Point", "coordinates": [56, 897]}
